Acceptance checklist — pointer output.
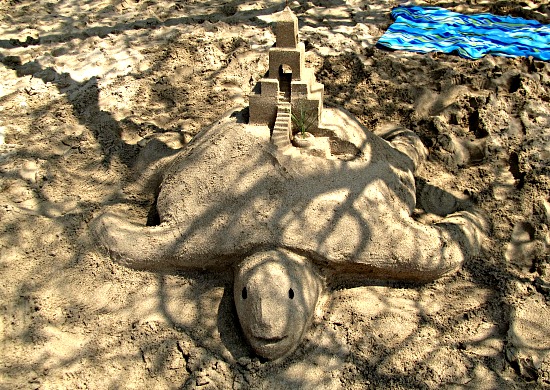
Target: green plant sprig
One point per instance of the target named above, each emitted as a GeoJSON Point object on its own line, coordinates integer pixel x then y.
{"type": "Point", "coordinates": [304, 120]}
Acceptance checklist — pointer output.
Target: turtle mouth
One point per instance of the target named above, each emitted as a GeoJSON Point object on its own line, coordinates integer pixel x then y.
{"type": "Point", "coordinates": [269, 340]}
{"type": "Point", "coordinates": [272, 347]}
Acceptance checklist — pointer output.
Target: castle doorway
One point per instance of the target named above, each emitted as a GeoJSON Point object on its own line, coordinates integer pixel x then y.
{"type": "Point", "coordinates": [285, 79]}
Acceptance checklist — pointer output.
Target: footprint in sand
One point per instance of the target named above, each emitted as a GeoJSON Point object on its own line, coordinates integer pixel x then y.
{"type": "Point", "coordinates": [463, 151]}
{"type": "Point", "coordinates": [522, 246]}
{"type": "Point", "coordinates": [529, 339]}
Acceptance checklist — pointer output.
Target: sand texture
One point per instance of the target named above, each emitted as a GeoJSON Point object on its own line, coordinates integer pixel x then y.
{"type": "Point", "coordinates": [86, 87]}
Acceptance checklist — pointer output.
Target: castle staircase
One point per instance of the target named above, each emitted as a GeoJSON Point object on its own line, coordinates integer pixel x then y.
{"type": "Point", "coordinates": [282, 129]}
{"type": "Point", "coordinates": [284, 97]}
{"type": "Point", "coordinates": [286, 153]}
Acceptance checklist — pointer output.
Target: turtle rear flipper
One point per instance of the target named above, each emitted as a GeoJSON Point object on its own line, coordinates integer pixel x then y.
{"type": "Point", "coordinates": [407, 142]}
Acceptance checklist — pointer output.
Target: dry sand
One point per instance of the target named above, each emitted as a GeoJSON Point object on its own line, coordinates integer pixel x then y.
{"type": "Point", "coordinates": [85, 85]}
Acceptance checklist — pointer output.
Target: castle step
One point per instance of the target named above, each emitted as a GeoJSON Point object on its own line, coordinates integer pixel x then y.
{"type": "Point", "coordinates": [281, 130]}
{"type": "Point", "coordinates": [283, 98]}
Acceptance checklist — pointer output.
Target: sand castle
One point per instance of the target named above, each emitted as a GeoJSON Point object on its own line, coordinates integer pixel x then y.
{"type": "Point", "coordinates": [289, 86]}
{"type": "Point", "coordinates": [285, 220]}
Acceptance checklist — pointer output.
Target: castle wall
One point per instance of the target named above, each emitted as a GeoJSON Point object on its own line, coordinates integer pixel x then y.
{"type": "Point", "coordinates": [286, 30]}
{"type": "Point", "coordinates": [308, 110]}
{"type": "Point", "coordinates": [263, 110]}
{"type": "Point", "coordinates": [306, 95]}
{"type": "Point", "coordinates": [291, 57]}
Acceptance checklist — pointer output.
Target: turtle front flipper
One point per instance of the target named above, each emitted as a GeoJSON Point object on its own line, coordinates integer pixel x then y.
{"type": "Point", "coordinates": [442, 247]}
{"type": "Point", "coordinates": [177, 246]}
{"type": "Point", "coordinates": [398, 248]}
{"type": "Point", "coordinates": [136, 246]}
{"type": "Point", "coordinates": [422, 252]}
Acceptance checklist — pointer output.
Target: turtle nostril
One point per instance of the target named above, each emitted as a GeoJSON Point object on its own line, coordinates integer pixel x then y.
{"type": "Point", "coordinates": [244, 293]}
{"type": "Point", "coordinates": [291, 294]}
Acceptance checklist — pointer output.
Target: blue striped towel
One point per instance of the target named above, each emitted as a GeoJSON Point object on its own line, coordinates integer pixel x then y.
{"type": "Point", "coordinates": [426, 29]}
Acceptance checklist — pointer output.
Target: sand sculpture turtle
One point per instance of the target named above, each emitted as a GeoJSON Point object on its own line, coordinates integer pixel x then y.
{"type": "Point", "coordinates": [231, 199]}
{"type": "Point", "coordinates": [284, 218]}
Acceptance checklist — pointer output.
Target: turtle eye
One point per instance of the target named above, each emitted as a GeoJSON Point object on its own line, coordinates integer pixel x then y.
{"type": "Point", "coordinates": [291, 294]}
{"type": "Point", "coordinates": [244, 293]}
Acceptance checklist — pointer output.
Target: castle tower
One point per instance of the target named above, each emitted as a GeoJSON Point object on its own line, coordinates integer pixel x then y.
{"type": "Point", "coordinates": [286, 30]}
{"type": "Point", "coordinates": [288, 82]}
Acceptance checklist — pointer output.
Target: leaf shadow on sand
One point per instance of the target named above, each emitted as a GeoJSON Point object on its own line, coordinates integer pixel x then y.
{"type": "Point", "coordinates": [329, 342]}
{"type": "Point", "coordinates": [348, 343]}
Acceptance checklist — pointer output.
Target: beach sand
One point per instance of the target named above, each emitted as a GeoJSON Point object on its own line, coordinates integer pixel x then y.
{"type": "Point", "coordinates": [84, 86]}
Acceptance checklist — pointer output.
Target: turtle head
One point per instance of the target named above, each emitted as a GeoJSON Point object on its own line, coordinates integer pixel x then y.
{"type": "Point", "coordinates": [275, 295]}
